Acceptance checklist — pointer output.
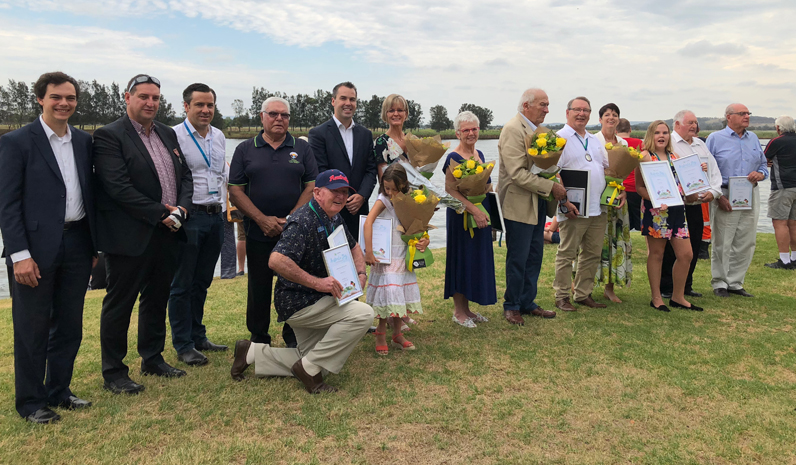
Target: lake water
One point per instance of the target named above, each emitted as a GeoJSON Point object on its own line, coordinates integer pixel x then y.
{"type": "Point", "coordinates": [438, 236]}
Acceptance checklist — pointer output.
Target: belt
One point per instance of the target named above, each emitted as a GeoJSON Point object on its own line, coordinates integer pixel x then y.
{"type": "Point", "coordinates": [73, 224]}
{"type": "Point", "coordinates": [211, 209]}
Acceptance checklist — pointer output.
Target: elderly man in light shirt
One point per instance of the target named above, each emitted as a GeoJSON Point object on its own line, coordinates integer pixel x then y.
{"type": "Point", "coordinates": [684, 143]}
{"type": "Point", "coordinates": [583, 151]}
{"type": "Point", "coordinates": [738, 153]}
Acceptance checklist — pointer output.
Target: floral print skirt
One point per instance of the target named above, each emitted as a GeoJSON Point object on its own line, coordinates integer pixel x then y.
{"type": "Point", "coordinates": [663, 224]}
{"type": "Point", "coordinates": [615, 264]}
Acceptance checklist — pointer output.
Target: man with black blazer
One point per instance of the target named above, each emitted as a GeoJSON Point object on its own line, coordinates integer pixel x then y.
{"type": "Point", "coordinates": [47, 221]}
{"type": "Point", "coordinates": [343, 145]}
{"type": "Point", "coordinates": [144, 193]}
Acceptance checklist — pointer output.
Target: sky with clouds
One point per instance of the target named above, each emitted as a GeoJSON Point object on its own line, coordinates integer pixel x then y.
{"type": "Point", "coordinates": [651, 58]}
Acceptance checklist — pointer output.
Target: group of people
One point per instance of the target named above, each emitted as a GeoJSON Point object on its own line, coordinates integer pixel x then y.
{"type": "Point", "coordinates": [152, 198]}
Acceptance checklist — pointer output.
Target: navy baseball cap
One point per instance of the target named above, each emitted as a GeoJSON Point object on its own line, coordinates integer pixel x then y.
{"type": "Point", "coordinates": [332, 179]}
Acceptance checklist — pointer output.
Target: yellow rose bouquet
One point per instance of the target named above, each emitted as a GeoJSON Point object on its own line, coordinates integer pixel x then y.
{"type": "Point", "coordinates": [544, 148]}
{"type": "Point", "coordinates": [622, 160]}
{"type": "Point", "coordinates": [414, 211]}
{"type": "Point", "coordinates": [471, 179]}
{"type": "Point", "coordinates": [425, 152]}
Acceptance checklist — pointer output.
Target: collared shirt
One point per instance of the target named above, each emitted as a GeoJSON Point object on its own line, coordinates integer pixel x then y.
{"type": "Point", "coordinates": [273, 179]}
{"type": "Point", "coordinates": [348, 137]}
{"type": "Point", "coordinates": [533, 126]}
{"type": "Point", "coordinates": [736, 155]}
{"type": "Point", "coordinates": [682, 148]}
{"type": "Point", "coordinates": [574, 157]}
{"type": "Point", "coordinates": [782, 152]}
{"type": "Point", "coordinates": [162, 160]}
{"type": "Point", "coordinates": [303, 240]}
{"type": "Point", "coordinates": [207, 180]}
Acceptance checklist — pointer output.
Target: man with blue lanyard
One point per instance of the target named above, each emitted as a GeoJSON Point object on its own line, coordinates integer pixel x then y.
{"type": "Point", "coordinates": [204, 150]}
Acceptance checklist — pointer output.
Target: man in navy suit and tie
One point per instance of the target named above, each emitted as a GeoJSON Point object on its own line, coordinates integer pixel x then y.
{"type": "Point", "coordinates": [343, 145]}
{"type": "Point", "coordinates": [47, 221]}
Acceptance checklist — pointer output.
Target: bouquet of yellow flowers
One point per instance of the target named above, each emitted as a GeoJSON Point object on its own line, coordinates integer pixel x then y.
{"type": "Point", "coordinates": [622, 160]}
{"type": "Point", "coordinates": [414, 212]}
{"type": "Point", "coordinates": [544, 148]}
{"type": "Point", "coordinates": [425, 152]}
{"type": "Point", "coordinates": [471, 179]}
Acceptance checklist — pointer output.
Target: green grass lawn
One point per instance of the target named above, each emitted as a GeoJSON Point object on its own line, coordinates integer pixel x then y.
{"type": "Point", "coordinates": [626, 384]}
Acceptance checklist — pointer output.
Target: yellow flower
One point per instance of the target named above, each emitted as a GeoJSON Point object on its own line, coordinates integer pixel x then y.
{"type": "Point", "coordinates": [560, 142]}
{"type": "Point", "coordinates": [480, 169]}
{"type": "Point", "coordinates": [609, 146]}
{"type": "Point", "coordinates": [533, 152]}
{"type": "Point", "coordinates": [420, 198]}
{"type": "Point", "coordinates": [418, 191]}
{"type": "Point", "coordinates": [470, 164]}
{"type": "Point", "coordinates": [544, 152]}
{"type": "Point", "coordinates": [490, 165]}
{"type": "Point", "coordinates": [457, 173]}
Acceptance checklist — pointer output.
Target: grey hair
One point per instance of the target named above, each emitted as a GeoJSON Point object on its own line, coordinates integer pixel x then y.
{"type": "Point", "coordinates": [465, 117]}
{"type": "Point", "coordinates": [729, 109]}
{"type": "Point", "coordinates": [680, 116]}
{"type": "Point", "coordinates": [569, 104]}
{"type": "Point", "coordinates": [529, 96]}
{"type": "Point", "coordinates": [269, 100]}
{"type": "Point", "coordinates": [785, 124]}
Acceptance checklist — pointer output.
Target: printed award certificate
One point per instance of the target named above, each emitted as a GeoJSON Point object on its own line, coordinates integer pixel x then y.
{"type": "Point", "coordinates": [692, 178]}
{"type": "Point", "coordinates": [661, 186]}
{"type": "Point", "coordinates": [382, 238]}
{"type": "Point", "coordinates": [576, 195]}
{"type": "Point", "coordinates": [338, 237]}
{"type": "Point", "coordinates": [340, 266]}
{"type": "Point", "coordinates": [741, 191]}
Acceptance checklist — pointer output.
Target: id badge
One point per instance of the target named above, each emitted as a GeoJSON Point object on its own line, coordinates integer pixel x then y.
{"type": "Point", "coordinates": [212, 185]}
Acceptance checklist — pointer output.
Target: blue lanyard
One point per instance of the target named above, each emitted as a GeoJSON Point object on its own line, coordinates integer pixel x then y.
{"type": "Point", "coordinates": [319, 220]}
{"type": "Point", "coordinates": [208, 161]}
{"type": "Point", "coordinates": [585, 143]}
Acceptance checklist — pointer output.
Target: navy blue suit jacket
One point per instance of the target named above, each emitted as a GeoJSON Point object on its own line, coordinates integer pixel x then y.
{"type": "Point", "coordinates": [330, 153]}
{"type": "Point", "coordinates": [33, 193]}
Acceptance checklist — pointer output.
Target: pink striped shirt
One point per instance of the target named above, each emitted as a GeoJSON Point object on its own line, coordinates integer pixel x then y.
{"type": "Point", "coordinates": [163, 163]}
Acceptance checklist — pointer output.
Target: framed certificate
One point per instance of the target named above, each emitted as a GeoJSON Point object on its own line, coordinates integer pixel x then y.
{"type": "Point", "coordinates": [576, 195]}
{"type": "Point", "coordinates": [338, 237]}
{"type": "Point", "coordinates": [741, 191]}
{"type": "Point", "coordinates": [576, 178]}
{"type": "Point", "coordinates": [382, 238]}
{"type": "Point", "coordinates": [689, 171]}
{"type": "Point", "coordinates": [661, 186]}
{"type": "Point", "coordinates": [340, 266]}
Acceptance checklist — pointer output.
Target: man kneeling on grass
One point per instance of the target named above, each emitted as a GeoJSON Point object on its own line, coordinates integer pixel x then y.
{"type": "Point", "coordinates": [305, 295]}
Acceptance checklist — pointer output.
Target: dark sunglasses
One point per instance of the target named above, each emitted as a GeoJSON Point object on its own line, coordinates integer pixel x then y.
{"type": "Point", "coordinates": [143, 79]}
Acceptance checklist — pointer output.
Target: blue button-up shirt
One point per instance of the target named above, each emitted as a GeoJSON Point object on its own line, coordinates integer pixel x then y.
{"type": "Point", "coordinates": [736, 155]}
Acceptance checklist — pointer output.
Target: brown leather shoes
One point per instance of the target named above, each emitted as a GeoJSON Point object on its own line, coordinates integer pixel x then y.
{"type": "Point", "coordinates": [313, 384]}
{"type": "Point", "coordinates": [565, 305]}
{"type": "Point", "coordinates": [539, 311]}
{"type": "Point", "coordinates": [239, 364]}
{"type": "Point", "coordinates": [513, 317]}
{"type": "Point", "coordinates": [589, 302]}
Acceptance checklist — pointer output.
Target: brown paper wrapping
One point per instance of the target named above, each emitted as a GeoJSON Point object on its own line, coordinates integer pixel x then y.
{"type": "Point", "coordinates": [620, 162]}
{"type": "Point", "coordinates": [542, 161]}
{"type": "Point", "coordinates": [426, 150]}
{"type": "Point", "coordinates": [475, 184]}
{"type": "Point", "coordinates": [414, 217]}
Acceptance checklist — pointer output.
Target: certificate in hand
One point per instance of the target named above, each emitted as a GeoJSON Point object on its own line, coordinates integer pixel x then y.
{"type": "Point", "coordinates": [338, 237]}
{"type": "Point", "coordinates": [576, 195]}
{"type": "Point", "coordinates": [340, 266]}
{"type": "Point", "coordinates": [741, 191]}
{"type": "Point", "coordinates": [661, 186]}
{"type": "Point", "coordinates": [381, 239]}
{"type": "Point", "coordinates": [689, 171]}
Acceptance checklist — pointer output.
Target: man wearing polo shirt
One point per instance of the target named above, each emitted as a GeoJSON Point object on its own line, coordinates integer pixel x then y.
{"type": "Point", "coordinates": [305, 295]}
{"type": "Point", "coordinates": [270, 177]}
{"type": "Point", "coordinates": [583, 151]}
{"type": "Point", "coordinates": [781, 155]}
{"type": "Point", "coordinates": [204, 149]}
{"type": "Point", "coordinates": [738, 153]}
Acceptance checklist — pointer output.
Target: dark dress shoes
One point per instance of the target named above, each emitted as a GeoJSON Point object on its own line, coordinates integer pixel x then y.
{"type": "Point", "coordinates": [313, 384]}
{"type": "Point", "coordinates": [123, 386]}
{"type": "Point", "coordinates": [539, 311]}
{"type": "Point", "coordinates": [43, 416]}
{"type": "Point", "coordinates": [721, 292]}
{"type": "Point", "coordinates": [675, 304]}
{"type": "Point", "coordinates": [741, 292]}
{"type": "Point", "coordinates": [193, 358]}
{"type": "Point", "coordinates": [162, 369]}
{"type": "Point", "coordinates": [589, 302]}
{"type": "Point", "coordinates": [692, 293]}
{"type": "Point", "coordinates": [208, 346]}
{"type": "Point", "coordinates": [513, 317]}
{"type": "Point", "coordinates": [565, 305]}
{"type": "Point", "coordinates": [661, 307]}
{"type": "Point", "coordinates": [239, 364]}
{"type": "Point", "coordinates": [73, 403]}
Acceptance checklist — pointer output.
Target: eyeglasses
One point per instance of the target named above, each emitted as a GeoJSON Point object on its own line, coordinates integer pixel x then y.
{"type": "Point", "coordinates": [468, 131]}
{"type": "Point", "coordinates": [396, 110]}
{"type": "Point", "coordinates": [276, 114]}
{"type": "Point", "coordinates": [144, 78]}
{"type": "Point", "coordinates": [742, 113]}
{"type": "Point", "coordinates": [580, 110]}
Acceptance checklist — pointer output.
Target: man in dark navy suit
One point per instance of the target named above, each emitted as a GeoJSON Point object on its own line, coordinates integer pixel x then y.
{"type": "Point", "coordinates": [343, 145]}
{"type": "Point", "coordinates": [47, 221]}
{"type": "Point", "coordinates": [144, 194]}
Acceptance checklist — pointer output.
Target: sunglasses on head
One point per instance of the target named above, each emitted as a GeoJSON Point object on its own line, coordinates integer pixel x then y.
{"type": "Point", "coordinates": [143, 79]}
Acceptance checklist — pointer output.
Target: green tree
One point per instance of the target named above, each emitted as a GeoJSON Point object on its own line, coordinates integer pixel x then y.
{"type": "Point", "coordinates": [240, 111]}
{"type": "Point", "coordinates": [22, 104]}
{"type": "Point", "coordinates": [484, 115]}
{"type": "Point", "coordinates": [372, 113]}
{"type": "Point", "coordinates": [116, 102]}
{"type": "Point", "coordinates": [415, 115]}
{"type": "Point", "coordinates": [439, 118]}
{"type": "Point", "coordinates": [258, 97]}
{"type": "Point", "coordinates": [218, 120]}
{"type": "Point", "coordinates": [166, 113]}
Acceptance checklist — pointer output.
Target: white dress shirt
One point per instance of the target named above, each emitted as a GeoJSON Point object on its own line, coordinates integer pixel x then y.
{"type": "Point", "coordinates": [683, 149]}
{"type": "Point", "coordinates": [574, 157]}
{"type": "Point", "coordinates": [65, 157]}
{"type": "Point", "coordinates": [207, 180]}
{"type": "Point", "coordinates": [348, 137]}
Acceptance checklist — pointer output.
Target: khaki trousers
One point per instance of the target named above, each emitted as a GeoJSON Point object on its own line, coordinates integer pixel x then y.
{"type": "Point", "coordinates": [734, 238]}
{"type": "Point", "coordinates": [326, 334]}
{"type": "Point", "coordinates": [586, 234]}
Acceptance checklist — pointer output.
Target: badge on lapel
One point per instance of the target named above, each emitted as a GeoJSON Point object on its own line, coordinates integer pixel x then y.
{"type": "Point", "coordinates": [176, 153]}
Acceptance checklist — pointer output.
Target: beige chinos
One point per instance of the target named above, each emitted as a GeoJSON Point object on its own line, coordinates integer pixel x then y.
{"type": "Point", "coordinates": [734, 237]}
{"type": "Point", "coordinates": [588, 235]}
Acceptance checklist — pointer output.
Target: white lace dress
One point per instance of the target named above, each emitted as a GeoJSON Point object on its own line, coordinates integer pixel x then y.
{"type": "Point", "coordinates": [392, 289]}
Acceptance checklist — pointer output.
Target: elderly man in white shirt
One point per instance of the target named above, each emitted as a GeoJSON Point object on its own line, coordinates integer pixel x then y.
{"type": "Point", "coordinates": [583, 151]}
{"type": "Point", "coordinates": [685, 142]}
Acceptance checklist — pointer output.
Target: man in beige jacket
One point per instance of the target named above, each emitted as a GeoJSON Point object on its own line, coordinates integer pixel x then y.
{"type": "Point", "coordinates": [524, 211]}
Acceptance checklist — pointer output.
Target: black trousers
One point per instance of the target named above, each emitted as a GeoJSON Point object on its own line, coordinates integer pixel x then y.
{"type": "Point", "coordinates": [149, 274]}
{"type": "Point", "coordinates": [634, 210]}
{"type": "Point", "coordinates": [351, 220]}
{"type": "Point", "coordinates": [48, 324]}
{"type": "Point", "coordinates": [261, 281]}
{"type": "Point", "coordinates": [693, 215]}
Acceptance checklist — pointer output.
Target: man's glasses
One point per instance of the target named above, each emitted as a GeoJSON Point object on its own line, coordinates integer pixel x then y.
{"type": "Point", "coordinates": [742, 113]}
{"type": "Point", "coordinates": [276, 114]}
{"type": "Point", "coordinates": [144, 78]}
{"type": "Point", "coordinates": [580, 110]}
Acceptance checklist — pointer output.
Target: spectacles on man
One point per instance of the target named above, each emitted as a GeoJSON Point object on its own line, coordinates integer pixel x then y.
{"type": "Point", "coordinates": [396, 110]}
{"type": "Point", "coordinates": [742, 113]}
{"type": "Point", "coordinates": [580, 110]}
{"type": "Point", "coordinates": [143, 79]}
{"type": "Point", "coordinates": [276, 114]}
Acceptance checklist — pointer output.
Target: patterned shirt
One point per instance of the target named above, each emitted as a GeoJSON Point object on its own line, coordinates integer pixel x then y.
{"type": "Point", "coordinates": [162, 160]}
{"type": "Point", "coordinates": [303, 240]}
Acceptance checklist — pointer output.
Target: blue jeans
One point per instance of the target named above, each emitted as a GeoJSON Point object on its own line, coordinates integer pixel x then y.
{"type": "Point", "coordinates": [524, 251]}
{"type": "Point", "coordinates": [195, 266]}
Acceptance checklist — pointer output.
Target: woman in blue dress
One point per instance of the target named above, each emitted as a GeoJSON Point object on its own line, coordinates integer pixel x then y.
{"type": "Point", "coordinates": [470, 263]}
